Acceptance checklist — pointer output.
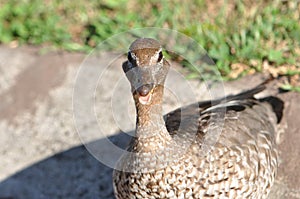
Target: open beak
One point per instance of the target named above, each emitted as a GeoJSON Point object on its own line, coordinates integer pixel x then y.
{"type": "Point", "coordinates": [145, 93]}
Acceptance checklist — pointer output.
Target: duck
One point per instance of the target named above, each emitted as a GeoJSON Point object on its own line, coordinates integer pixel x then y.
{"type": "Point", "coordinates": [222, 148]}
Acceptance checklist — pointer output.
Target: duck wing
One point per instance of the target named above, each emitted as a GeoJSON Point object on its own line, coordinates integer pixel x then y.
{"type": "Point", "coordinates": [240, 116]}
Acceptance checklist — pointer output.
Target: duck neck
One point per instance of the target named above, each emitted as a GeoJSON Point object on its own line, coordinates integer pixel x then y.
{"type": "Point", "coordinates": [149, 121]}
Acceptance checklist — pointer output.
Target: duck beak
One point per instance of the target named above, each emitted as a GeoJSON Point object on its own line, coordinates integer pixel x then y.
{"type": "Point", "coordinates": [145, 93]}
{"type": "Point", "coordinates": [142, 83]}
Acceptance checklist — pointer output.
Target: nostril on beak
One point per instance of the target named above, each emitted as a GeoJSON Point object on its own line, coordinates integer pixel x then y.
{"type": "Point", "coordinates": [145, 89]}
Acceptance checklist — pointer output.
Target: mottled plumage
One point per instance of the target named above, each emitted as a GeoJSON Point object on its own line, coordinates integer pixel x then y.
{"type": "Point", "coordinates": [220, 149]}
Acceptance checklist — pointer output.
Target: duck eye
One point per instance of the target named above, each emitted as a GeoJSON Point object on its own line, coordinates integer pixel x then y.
{"type": "Point", "coordinates": [160, 56]}
{"type": "Point", "coordinates": [130, 58]}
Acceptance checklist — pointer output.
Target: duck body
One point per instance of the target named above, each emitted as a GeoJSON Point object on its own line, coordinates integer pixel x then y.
{"type": "Point", "coordinates": [215, 149]}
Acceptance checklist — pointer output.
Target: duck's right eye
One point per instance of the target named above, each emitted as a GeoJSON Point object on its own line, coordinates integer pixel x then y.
{"type": "Point", "coordinates": [130, 58]}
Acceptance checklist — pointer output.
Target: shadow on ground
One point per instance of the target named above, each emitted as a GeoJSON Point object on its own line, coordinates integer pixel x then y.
{"type": "Point", "coordinates": [73, 173]}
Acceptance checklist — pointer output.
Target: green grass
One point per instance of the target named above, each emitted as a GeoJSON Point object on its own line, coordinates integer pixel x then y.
{"type": "Point", "coordinates": [233, 32]}
{"type": "Point", "coordinates": [30, 23]}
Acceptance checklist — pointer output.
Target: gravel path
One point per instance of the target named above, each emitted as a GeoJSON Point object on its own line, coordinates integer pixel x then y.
{"type": "Point", "coordinates": [42, 155]}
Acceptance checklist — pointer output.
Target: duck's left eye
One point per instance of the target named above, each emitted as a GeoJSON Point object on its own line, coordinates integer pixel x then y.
{"type": "Point", "coordinates": [160, 56]}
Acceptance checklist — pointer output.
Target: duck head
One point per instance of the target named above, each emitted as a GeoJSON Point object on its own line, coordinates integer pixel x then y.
{"type": "Point", "coordinates": [146, 70]}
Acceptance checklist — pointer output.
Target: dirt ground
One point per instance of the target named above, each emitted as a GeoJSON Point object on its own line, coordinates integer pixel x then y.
{"type": "Point", "coordinates": [43, 155]}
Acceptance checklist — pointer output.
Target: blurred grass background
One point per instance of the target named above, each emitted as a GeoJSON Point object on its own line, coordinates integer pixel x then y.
{"type": "Point", "coordinates": [242, 37]}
